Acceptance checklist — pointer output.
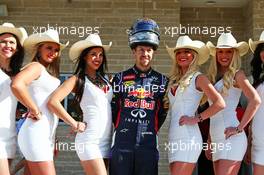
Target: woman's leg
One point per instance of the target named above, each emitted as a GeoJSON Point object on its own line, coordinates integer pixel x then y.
{"type": "Point", "coordinates": [182, 168]}
{"type": "Point", "coordinates": [215, 165]}
{"type": "Point", "coordinates": [41, 168]}
{"type": "Point", "coordinates": [224, 167]}
{"type": "Point", "coordinates": [4, 167]}
{"type": "Point", "coordinates": [258, 169]}
{"type": "Point", "coordinates": [94, 167]}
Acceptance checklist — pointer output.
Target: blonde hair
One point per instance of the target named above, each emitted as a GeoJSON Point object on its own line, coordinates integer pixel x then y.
{"type": "Point", "coordinates": [177, 79]}
{"type": "Point", "coordinates": [228, 78]}
{"type": "Point", "coordinates": [54, 67]}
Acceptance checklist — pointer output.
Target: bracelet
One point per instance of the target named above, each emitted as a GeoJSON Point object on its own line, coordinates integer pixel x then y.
{"type": "Point", "coordinates": [31, 112]}
{"type": "Point", "coordinates": [238, 130]}
{"type": "Point", "coordinates": [200, 118]}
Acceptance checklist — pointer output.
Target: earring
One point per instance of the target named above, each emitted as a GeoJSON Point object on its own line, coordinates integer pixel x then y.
{"type": "Point", "coordinates": [38, 56]}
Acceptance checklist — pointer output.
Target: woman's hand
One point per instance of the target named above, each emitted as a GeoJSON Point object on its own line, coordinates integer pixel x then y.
{"type": "Point", "coordinates": [34, 114]}
{"type": "Point", "coordinates": [186, 120]}
{"type": "Point", "coordinates": [208, 153]}
{"type": "Point", "coordinates": [80, 127]}
{"type": "Point", "coordinates": [231, 131]}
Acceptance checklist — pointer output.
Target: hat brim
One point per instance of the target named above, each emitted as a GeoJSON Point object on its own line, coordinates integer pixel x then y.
{"type": "Point", "coordinates": [77, 48]}
{"type": "Point", "coordinates": [242, 48]}
{"type": "Point", "coordinates": [35, 39]}
{"type": "Point", "coordinates": [19, 32]}
{"type": "Point", "coordinates": [202, 52]}
{"type": "Point", "coordinates": [253, 44]}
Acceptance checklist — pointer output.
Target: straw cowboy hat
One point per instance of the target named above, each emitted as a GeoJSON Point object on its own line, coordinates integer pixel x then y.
{"type": "Point", "coordinates": [253, 44]}
{"type": "Point", "coordinates": [49, 35]}
{"type": "Point", "coordinates": [227, 40]}
{"type": "Point", "coordinates": [10, 28]}
{"type": "Point", "coordinates": [92, 40]}
{"type": "Point", "coordinates": [187, 43]}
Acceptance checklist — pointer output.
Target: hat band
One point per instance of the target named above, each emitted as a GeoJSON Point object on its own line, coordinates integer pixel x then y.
{"type": "Point", "coordinates": [224, 46]}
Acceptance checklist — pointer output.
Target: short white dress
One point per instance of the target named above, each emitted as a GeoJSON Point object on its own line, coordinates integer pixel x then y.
{"type": "Point", "coordinates": [233, 148]}
{"type": "Point", "coordinates": [185, 141]}
{"type": "Point", "coordinates": [95, 141]}
{"type": "Point", "coordinates": [257, 131]}
{"type": "Point", "coordinates": [36, 138]}
{"type": "Point", "coordinates": [8, 104]}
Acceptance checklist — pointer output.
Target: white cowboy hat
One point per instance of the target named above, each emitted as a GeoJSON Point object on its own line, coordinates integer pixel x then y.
{"type": "Point", "coordinates": [20, 32]}
{"type": "Point", "coordinates": [227, 40]}
{"type": "Point", "coordinates": [253, 44]}
{"type": "Point", "coordinates": [187, 43]}
{"type": "Point", "coordinates": [92, 40]}
{"type": "Point", "coordinates": [49, 35]}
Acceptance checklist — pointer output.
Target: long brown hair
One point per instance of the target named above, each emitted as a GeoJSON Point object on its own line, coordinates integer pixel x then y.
{"type": "Point", "coordinates": [54, 67]}
{"type": "Point", "coordinates": [80, 72]}
{"type": "Point", "coordinates": [257, 66]}
{"type": "Point", "coordinates": [16, 59]}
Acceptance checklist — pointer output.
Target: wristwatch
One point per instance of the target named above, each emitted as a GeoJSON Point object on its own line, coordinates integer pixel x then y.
{"type": "Point", "coordinates": [238, 130]}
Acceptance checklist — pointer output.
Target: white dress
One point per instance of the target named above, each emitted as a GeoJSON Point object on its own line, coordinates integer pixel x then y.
{"type": "Point", "coordinates": [36, 138]}
{"type": "Point", "coordinates": [95, 141]}
{"type": "Point", "coordinates": [257, 130]}
{"type": "Point", "coordinates": [8, 104]}
{"type": "Point", "coordinates": [234, 147]}
{"type": "Point", "coordinates": [185, 141]}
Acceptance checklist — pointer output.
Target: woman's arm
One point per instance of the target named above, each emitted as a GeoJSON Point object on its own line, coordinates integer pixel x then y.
{"type": "Point", "coordinates": [253, 103]}
{"type": "Point", "coordinates": [54, 104]}
{"type": "Point", "coordinates": [218, 103]}
{"type": "Point", "coordinates": [19, 87]}
{"type": "Point", "coordinates": [252, 97]}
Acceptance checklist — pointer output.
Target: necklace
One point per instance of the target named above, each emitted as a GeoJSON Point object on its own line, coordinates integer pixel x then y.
{"type": "Point", "coordinates": [98, 81]}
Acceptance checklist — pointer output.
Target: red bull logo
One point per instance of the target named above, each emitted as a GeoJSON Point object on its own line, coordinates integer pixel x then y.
{"type": "Point", "coordinates": [140, 104]}
{"type": "Point", "coordinates": [140, 93]}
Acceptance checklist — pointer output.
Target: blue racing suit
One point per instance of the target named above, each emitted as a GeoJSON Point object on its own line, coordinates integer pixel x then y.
{"type": "Point", "coordinates": [138, 113]}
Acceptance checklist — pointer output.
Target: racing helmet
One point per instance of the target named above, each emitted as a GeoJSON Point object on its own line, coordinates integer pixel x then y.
{"type": "Point", "coordinates": [144, 31]}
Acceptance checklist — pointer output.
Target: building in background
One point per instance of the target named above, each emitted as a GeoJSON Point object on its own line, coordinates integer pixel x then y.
{"type": "Point", "coordinates": [75, 19]}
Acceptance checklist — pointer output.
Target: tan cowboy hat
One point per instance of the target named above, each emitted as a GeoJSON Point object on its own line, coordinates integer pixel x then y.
{"type": "Point", "coordinates": [253, 44]}
{"type": "Point", "coordinates": [49, 35]}
{"type": "Point", "coordinates": [20, 32]}
{"type": "Point", "coordinates": [187, 43]}
{"type": "Point", "coordinates": [91, 41]}
{"type": "Point", "coordinates": [227, 40]}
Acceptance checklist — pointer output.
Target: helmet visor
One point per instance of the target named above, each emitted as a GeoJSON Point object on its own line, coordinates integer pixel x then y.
{"type": "Point", "coordinates": [144, 37]}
